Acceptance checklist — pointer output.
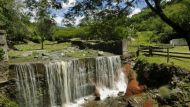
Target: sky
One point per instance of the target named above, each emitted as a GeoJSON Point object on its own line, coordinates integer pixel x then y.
{"type": "Point", "coordinates": [65, 6]}
{"type": "Point", "coordinates": [59, 13]}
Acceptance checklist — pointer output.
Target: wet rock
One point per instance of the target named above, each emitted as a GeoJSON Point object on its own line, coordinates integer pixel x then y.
{"type": "Point", "coordinates": [97, 94]}
{"type": "Point", "coordinates": [3, 57]}
{"type": "Point", "coordinates": [97, 98]}
{"type": "Point", "coordinates": [152, 74]}
{"type": "Point", "coordinates": [45, 54]}
{"type": "Point", "coordinates": [121, 93]}
{"type": "Point", "coordinates": [62, 54]}
{"type": "Point", "coordinates": [133, 88]}
{"type": "Point", "coordinates": [26, 54]}
{"type": "Point", "coordinates": [100, 53]}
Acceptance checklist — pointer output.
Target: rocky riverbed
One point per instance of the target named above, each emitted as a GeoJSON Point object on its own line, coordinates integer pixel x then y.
{"type": "Point", "coordinates": [167, 86]}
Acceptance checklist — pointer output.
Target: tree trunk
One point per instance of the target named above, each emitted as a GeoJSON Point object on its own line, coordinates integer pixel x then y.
{"type": "Point", "coordinates": [42, 42]}
{"type": "Point", "coordinates": [158, 10]}
{"type": "Point", "coordinates": [179, 30]}
{"type": "Point", "coordinates": [188, 41]}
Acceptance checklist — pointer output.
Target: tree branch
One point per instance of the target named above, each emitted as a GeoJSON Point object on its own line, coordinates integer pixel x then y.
{"type": "Point", "coordinates": [158, 10]}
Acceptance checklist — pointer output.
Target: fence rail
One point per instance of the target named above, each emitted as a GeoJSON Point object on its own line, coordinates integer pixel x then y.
{"type": "Point", "coordinates": [161, 51]}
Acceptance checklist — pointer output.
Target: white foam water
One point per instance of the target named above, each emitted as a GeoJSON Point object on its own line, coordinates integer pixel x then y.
{"type": "Point", "coordinates": [68, 82]}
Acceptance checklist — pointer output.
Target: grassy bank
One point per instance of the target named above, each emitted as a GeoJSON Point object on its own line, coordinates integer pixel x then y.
{"type": "Point", "coordinates": [181, 62]}
{"type": "Point", "coordinates": [27, 52]}
{"type": "Point", "coordinates": [32, 52]}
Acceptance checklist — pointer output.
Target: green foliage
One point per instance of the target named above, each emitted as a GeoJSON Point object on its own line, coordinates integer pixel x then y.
{"type": "Point", "coordinates": [145, 37]}
{"type": "Point", "coordinates": [6, 102]}
{"type": "Point", "coordinates": [149, 21]}
{"type": "Point", "coordinates": [71, 32]}
{"type": "Point", "coordinates": [45, 23]}
{"type": "Point", "coordinates": [45, 28]}
{"type": "Point", "coordinates": [179, 12]}
{"type": "Point", "coordinates": [112, 28]}
{"type": "Point", "coordinates": [1, 54]}
{"type": "Point", "coordinates": [104, 29]}
{"type": "Point", "coordinates": [13, 21]}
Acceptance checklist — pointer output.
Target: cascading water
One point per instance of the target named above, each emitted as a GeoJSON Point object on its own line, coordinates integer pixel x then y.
{"type": "Point", "coordinates": [67, 80]}
{"type": "Point", "coordinates": [27, 85]}
{"type": "Point", "coordinates": [58, 83]}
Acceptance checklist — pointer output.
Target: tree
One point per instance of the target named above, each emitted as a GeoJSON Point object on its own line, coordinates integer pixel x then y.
{"type": "Point", "coordinates": [45, 29]}
{"type": "Point", "coordinates": [96, 9]}
{"type": "Point", "coordinates": [113, 28]}
{"type": "Point", "coordinates": [156, 7]}
{"type": "Point", "coordinates": [14, 21]}
{"type": "Point", "coordinates": [45, 23]}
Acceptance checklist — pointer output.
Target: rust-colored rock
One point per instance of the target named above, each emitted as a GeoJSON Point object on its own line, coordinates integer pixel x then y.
{"type": "Point", "coordinates": [148, 103]}
{"type": "Point", "coordinates": [133, 87]}
{"type": "Point", "coordinates": [127, 69]}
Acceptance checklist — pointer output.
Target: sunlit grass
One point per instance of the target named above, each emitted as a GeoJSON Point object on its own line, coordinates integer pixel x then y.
{"type": "Point", "coordinates": [34, 48]}
{"type": "Point", "coordinates": [30, 52]}
{"type": "Point", "coordinates": [180, 49]}
{"type": "Point", "coordinates": [181, 62]}
{"type": "Point", "coordinates": [49, 46]}
{"type": "Point", "coordinates": [82, 53]}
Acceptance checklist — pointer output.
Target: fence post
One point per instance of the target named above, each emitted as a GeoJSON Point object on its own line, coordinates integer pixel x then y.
{"type": "Point", "coordinates": [150, 51]}
{"type": "Point", "coordinates": [168, 55]}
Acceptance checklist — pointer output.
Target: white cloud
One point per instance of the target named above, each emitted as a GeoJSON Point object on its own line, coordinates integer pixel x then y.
{"type": "Point", "coordinates": [58, 20]}
{"type": "Point", "coordinates": [168, 0]}
{"type": "Point", "coordinates": [69, 3]}
{"type": "Point", "coordinates": [135, 11]}
{"type": "Point", "coordinates": [78, 20]}
{"type": "Point", "coordinates": [59, 14]}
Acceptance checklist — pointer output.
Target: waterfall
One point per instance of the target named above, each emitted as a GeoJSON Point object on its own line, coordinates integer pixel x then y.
{"type": "Point", "coordinates": [27, 85]}
{"type": "Point", "coordinates": [66, 81]}
{"type": "Point", "coordinates": [105, 70]}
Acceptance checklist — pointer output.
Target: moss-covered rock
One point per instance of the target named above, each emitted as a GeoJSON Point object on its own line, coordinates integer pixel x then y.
{"type": "Point", "coordinates": [6, 102]}
{"type": "Point", "coordinates": [172, 83]}
{"type": "Point", "coordinates": [1, 54]}
{"type": "Point", "coordinates": [156, 75]}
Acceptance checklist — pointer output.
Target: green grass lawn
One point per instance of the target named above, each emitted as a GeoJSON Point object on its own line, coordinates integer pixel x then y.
{"type": "Point", "coordinates": [33, 49]}
{"type": "Point", "coordinates": [49, 46]}
{"type": "Point", "coordinates": [31, 52]}
{"type": "Point", "coordinates": [143, 38]}
{"type": "Point", "coordinates": [180, 49]}
{"type": "Point", "coordinates": [181, 62]}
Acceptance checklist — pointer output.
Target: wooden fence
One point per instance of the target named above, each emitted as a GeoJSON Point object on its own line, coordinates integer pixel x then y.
{"type": "Point", "coordinates": [161, 51]}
